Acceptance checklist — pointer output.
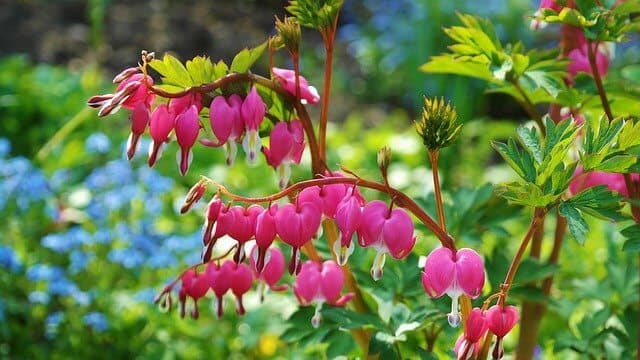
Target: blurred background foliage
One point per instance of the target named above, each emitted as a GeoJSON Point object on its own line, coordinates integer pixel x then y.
{"type": "Point", "coordinates": [87, 238]}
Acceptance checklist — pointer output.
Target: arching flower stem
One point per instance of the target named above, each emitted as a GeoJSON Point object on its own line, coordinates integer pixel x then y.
{"type": "Point", "coordinates": [400, 199]}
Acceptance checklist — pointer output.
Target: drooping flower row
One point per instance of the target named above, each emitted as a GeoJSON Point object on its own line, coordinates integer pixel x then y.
{"type": "Point", "coordinates": [316, 284]}
{"type": "Point", "coordinates": [233, 119]}
{"type": "Point", "coordinates": [372, 224]}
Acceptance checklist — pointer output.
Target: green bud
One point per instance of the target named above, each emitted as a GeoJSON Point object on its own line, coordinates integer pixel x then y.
{"type": "Point", "coordinates": [384, 158]}
{"type": "Point", "coordinates": [288, 33]}
{"type": "Point", "coordinates": [439, 125]}
{"type": "Point", "coordinates": [316, 14]}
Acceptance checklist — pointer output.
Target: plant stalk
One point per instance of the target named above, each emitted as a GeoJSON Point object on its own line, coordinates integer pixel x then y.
{"type": "Point", "coordinates": [433, 157]}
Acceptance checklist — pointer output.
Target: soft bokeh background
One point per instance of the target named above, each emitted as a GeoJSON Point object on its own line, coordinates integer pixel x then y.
{"type": "Point", "coordinates": [87, 238]}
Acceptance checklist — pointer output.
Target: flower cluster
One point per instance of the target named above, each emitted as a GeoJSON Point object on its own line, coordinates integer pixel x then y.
{"type": "Point", "coordinates": [374, 224]}
{"type": "Point", "coordinates": [235, 118]}
{"type": "Point", "coordinates": [498, 319]}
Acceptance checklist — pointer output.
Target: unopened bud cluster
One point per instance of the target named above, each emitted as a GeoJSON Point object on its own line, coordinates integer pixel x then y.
{"type": "Point", "coordinates": [439, 125]}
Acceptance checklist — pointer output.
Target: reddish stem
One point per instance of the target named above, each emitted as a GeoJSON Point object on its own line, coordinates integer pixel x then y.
{"type": "Point", "coordinates": [328, 35]}
{"type": "Point", "coordinates": [433, 156]}
{"type": "Point", "coordinates": [515, 263]}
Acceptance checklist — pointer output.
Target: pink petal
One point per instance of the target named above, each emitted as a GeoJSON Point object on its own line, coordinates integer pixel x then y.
{"type": "Point", "coordinates": [439, 272]}
{"type": "Point", "coordinates": [470, 271]}
{"type": "Point", "coordinates": [398, 233]}
{"type": "Point", "coordinates": [372, 221]}
{"type": "Point", "coordinates": [332, 281]}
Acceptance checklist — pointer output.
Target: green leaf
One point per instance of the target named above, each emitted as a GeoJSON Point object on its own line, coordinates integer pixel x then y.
{"type": "Point", "coordinates": [172, 72]}
{"type": "Point", "coordinates": [578, 227]}
{"type": "Point", "coordinates": [446, 64]}
{"type": "Point", "coordinates": [531, 142]}
{"type": "Point", "coordinates": [521, 163]}
{"type": "Point", "coordinates": [610, 147]}
{"type": "Point", "coordinates": [243, 61]}
{"type": "Point", "coordinates": [632, 233]}
{"type": "Point", "coordinates": [348, 319]}
{"type": "Point", "coordinates": [542, 79]}
{"type": "Point", "coordinates": [600, 202]}
{"type": "Point", "coordinates": [201, 70]}
{"type": "Point", "coordinates": [527, 194]}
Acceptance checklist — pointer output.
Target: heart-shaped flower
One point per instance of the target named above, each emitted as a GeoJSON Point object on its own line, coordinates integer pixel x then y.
{"type": "Point", "coordinates": [320, 283]}
{"type": "Point", "coordinates": [297, 224]}
{"type": "Point", "coordinates": [387, 231]}
{"type": "Point", "coordinates": [454, 274]}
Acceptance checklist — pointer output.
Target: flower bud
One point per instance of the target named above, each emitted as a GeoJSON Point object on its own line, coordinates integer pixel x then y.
{"type": "Point", "coordinates": [439, 125]}
{"type": "Point", "coordinates": [289, 33]}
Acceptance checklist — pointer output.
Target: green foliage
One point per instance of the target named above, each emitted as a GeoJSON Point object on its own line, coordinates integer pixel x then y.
{"type": "Point", "coordinates": [477, 52]}
{"type": "Point", "coordinates": [243, 61]}
{"type": "Point", "coordinates": [541, 165]}
{"type": "Point", "coordinates": [600, 23]}
{"type": "Point", "coordinates": [37, 100]}
{"type": "Point", "coordinates": [200, 70]}
{"type": "Point", "coordinates": [632, 234]}
{"type": "Point", "coordinates": [316, 14]}
{"type": "Point", "coordinates": [610, 146]}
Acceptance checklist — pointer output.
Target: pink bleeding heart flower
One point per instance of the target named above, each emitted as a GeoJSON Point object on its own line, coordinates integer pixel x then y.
{"type": "Point", "coordinates": [579, 60]}
{"type": "Point", "coordinates": [225, 220]}
{"type": "Point", "coordinates": [476, 327]}
{"type": "Point", "coordinates": [211, 215]}
{"type": "Point", "coordinates": [286, 145]}
{"type": "Point", "coordinates": [180, 104]}
{"type": "Point", "coordinates": [131, 91]}
{"type": "Point", "coordinates": [271, 272]}
{"type": "Point", "coordinates": [139, 118]}
{"type": "Point", "coordinates": [252, 113]}
{"type": "Point", "coordinates": [243, 227]}
{"type": "Point", "coordinates": [265, 233]}
{"type": "Point", "coordinates": [320, 283]}
{"type": "Point", "coordinates": [194, 286]}
{"type": "Point", "coordinates": [187, 126]}
{"type": "Point", "coordinates": [241, 281]}
{"type": "Point", "coordinates": [328, 196]}
{"type": "Point", "coordinates": [582, 181]}
{"type": "Point", "coordinates": [387, 231]}
{"type": "Point", "coordinates": [297, 224]}
{"type": "Point", "coordinates": [125, 74]}
{"type": "Point", "coordinates": [219, 280]}
{"type": "Point", "coordinates": [160, 126]}
{"type": "Point", "coordinates": [193, 195]}
{"type": "Point", "coordinates": [140, 91]}
{"type": "Point", "coordinates": [287, 78]}
{"type": "Point", "coordinates": [348, 219]}
{"type": "Point", "coordinates": [500, 321]}
{"type": "Point", "coordinates": [226, 124]}
{"type": "Point", "coordinates": [454, 275]}
{"type": "Point", "coordinates": [459, 346]}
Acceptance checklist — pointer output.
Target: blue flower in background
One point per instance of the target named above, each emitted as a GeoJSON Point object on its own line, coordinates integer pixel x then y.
{"type": "Point", "coordinates": [97, 143]}
{"type": "Point", "coordinates": [39, 297]}
{"type": "Point", "coordinates": [5, 147]}
{"type": "Point", "coordinates": [57, 242]}
{"type": "Point", "coordinates": [8, 259]}
{"type": "Point", "coordinates": [44, 272]}
{"type": "Point", "coordinates": [62, 286]}
{"type": "Point", "coordinates": [78, 261]}
{"type": "Point", "coordinates": [82, 298]}
{"type": "Point", "coordinates": [96, 320]}
{"type": "Point", "coordinates": [52, 322]}
{"type": "Point", "coordinates": [127, 257]}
